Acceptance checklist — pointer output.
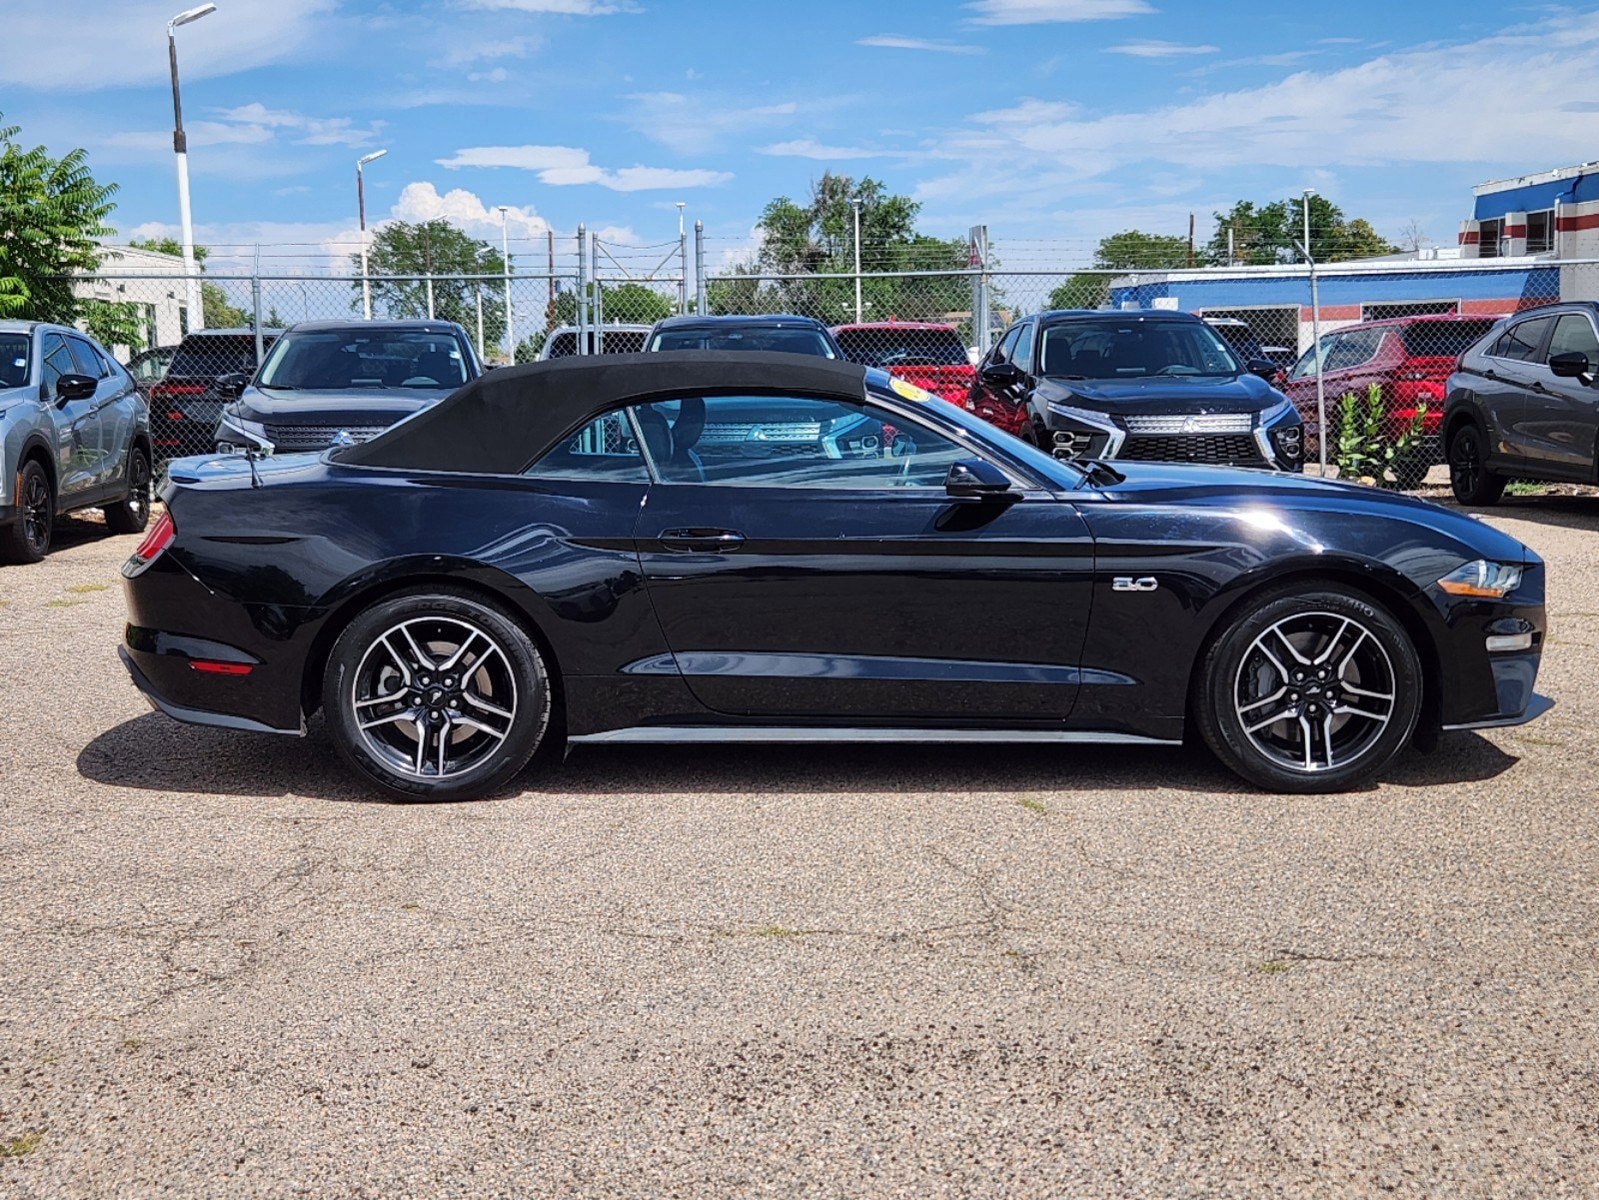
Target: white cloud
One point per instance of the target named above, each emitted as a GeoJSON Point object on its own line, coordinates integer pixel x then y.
{"type": "Point", "coordinates": [513, 47]}
{"type": "Point", "coordinates": [1041, 12]}
{"type": "Point", "coordinates": [94, 44]}
{"type": "Point", "coordinates": [1154, 48]}
{"type": "Point", "coordinates": [572, 8]}
{"type": "Point", "coordinates": [895, 41]}
{"type": "Point", "coordinates": [567, 166]}
{"type": "Point", "coordinates": [252, 125]}
{"type": "Point", "coordinates": [700, 124]}
{"type": "Point", "coordinates": [811, 148]}
{"type": "Point", "coordinates": [421, 201]}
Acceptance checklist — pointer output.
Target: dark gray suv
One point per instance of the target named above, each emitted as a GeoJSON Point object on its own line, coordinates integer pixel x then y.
{"type": "Point", "coordinates": [74, 433]}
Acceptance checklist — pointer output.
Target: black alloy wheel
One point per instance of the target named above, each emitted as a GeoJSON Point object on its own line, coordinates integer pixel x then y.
{"type": "Point", "coordinates": [1313, 689]}
{"type": "Point", "coordinates": [132, 513]}
{"type": "Point", "coordinates": [1473, 483]}
{"type": "Point", "coordinates": [436, 695]}
{"type": "Point", "coordinates": [27, 539]}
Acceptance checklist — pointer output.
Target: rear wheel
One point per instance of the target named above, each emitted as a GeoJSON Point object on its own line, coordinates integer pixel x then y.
{"type": "Point", "coordinates": [132, 513]}
{"type": "Point", "coordinates": [1469, 476]}
{"type": "Point", "coordinates": [1312, 689]}
{"type": "Point", "coordinates": [27, 539]}
{"type": "Point", "coordinates": [436, 696]}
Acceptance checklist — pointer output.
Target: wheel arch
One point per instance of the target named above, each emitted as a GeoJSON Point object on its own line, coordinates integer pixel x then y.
{"type": "Point", "coordinates": [351, 605]}
{"type": "Point", "coordinates": [36, 449]}
{"type": "Point", "coordinates": [1390, 590]}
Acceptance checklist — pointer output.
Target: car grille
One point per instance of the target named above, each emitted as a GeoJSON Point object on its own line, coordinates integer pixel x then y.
{"type": "Point", "coordinates": [286, 439]}
{"type": "Point", "coordinates": [1197, 423]}
{"type": "Point", "coordinates": [1201, 448]}
{"type": "Point", "coordinates": [770, 431]}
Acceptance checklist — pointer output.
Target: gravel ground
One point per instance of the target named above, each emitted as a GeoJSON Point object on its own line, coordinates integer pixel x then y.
{"type": "Point", "coordinates": [706, 972]}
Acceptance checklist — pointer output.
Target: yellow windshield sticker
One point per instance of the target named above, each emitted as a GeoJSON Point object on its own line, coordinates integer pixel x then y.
{"type": "Point", "coordinates": [909, 390]}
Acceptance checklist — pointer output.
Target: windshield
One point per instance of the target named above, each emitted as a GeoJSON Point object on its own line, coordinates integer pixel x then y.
{"type": "Point", "coordinates": [1443, 339]}
{"type": "Point", "coordinates": [13, 359]}
{"type": "Point", "coordinates": [745, 337]}
{"type": "Point", "coordinates": [1133, 348]}
{"type": "Point", "coordinates": [898, 346]}
{"type": "Point", "coordinates": [211, 355]}
{"type": "Point", "coordinates": [614, 341]}
{"type": "Point", "coordinates": [341, 359]}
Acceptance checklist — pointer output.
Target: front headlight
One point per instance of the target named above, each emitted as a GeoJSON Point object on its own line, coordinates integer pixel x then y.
{"type": "Point", "coordinates": [1278, 412]}
{"type": "Point", "coordinates": [237, 429]}
{"type": "Point", "coordinates": [1484, 579]}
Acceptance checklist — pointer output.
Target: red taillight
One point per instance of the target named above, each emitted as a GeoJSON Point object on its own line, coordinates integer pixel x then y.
{"type": "Point", "coordinates": [207, 667]}
{"type": "Point", "coordinates": [157, 540]}
{"type": "Point", "coordinates": [174, 415]}
{"type": "Point", "coordinates": [161, 391]}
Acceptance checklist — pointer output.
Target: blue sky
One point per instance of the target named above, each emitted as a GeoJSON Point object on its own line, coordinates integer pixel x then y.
{"type": "Point", "coordinates": [1053, 121]}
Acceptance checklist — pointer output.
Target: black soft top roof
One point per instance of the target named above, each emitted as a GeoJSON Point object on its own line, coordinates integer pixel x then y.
{"type": "Point", "coordinates": [503, 421]}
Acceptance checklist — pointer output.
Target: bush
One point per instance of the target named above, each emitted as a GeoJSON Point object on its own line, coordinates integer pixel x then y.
{"type": "Point", "coordinates": [1368, 451]}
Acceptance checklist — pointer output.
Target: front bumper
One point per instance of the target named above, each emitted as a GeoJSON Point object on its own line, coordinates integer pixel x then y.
{"type": "Point", "coordinates": [1076, 433]}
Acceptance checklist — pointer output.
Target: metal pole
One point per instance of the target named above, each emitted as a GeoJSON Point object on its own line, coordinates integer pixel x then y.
{"type": "Point", "coordinates": [505, 253]}
{"type": "Point", "coordinates": [582, 294]}
{"type": "Point", "coordinates": [1315, 341]}
{"type": "Point", "coordinates": [180, 148]}
{"type": "Point", "coordinates": [599, 293]}
{"type": "Point", "coordinates": [855, 203]}
{"type": "Point", "coordinates": [479, 290]}
{"type": "Point", "coordinates": [255, 305]}
{"type": "Point", "coordinates": [427, 264]}
{"type": "Point", "coordinates": [366, 278]}
{"type": "Point", "coordinates": [699, 268]}
{"type": "Point", "coordinates": [682, 257]}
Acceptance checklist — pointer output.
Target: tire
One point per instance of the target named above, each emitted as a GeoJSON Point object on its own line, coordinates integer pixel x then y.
{"type": "Point", "coordinates": [1366, 694]}
{"type": "Point", "coordinates": [481, 724]}
{"type": "Point", "coordinates": [27, 539]}
{"type": "Point", "coordinates": [132, 513]}
{"type": "Point", "coordinates": [1473, 483]}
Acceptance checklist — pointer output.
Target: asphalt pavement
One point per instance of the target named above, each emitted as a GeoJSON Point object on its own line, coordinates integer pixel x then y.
{"type": "Point", "coordinates": [703, 972]}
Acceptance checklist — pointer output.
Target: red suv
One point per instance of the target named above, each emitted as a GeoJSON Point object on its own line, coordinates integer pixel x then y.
{"type": "Point", "coordinates": [932, 357]}
{"type": "Point", "coordinates": [1410, 358]}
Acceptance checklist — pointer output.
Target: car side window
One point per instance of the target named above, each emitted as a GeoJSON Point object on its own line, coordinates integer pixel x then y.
{"type": "Point", "coordinates": [1574, 335]}
{"type": "Point", "coordinates": [1520, 342]}
{"type": "Point", "coordinates": [791, 442]}
{"type": "Point", "coordinates": [1002, 352]}
{"type": "Point", "coordinates": [56, 361]}
{"type": "Point", "coordinates": [1023, 350]}
{"type": "Point", "coordinates": [1307, 361]}
{"type": "Point", "coordinates": [89, 363]}
{"type": "Point", "coordinates": [1353, 349]}
{"type": "Point", "coordinates": [603, 451]}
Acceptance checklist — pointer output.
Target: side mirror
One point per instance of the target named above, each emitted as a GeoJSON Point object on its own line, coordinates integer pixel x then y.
{"type": "Point", "coordinates": [232, 386]}
{"type": "Point", "coordinates": [1002, 375]}
{"type": "Point", "coordinates": [75, 387]}
{"type": "Point", "coordinates": [974, 479]}
{"type": "Point", "coordinates": [1263, 367]}
{"type": "Point", "coordinates": [1571, 365]}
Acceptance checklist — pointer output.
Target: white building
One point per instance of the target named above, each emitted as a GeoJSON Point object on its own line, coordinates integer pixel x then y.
{"type": "Point", "coordinates": [141, 277]}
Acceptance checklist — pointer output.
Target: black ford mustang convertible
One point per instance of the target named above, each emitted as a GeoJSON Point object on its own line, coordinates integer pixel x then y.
{"type": "Point", "coordinates": [763, 548]}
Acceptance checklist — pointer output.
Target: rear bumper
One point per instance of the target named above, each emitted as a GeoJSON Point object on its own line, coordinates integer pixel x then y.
{"type": "Point", "coordinates": [195, 716]}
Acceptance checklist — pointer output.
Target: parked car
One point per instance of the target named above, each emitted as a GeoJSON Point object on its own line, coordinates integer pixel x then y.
{"type": "Point", "coordinates": [328, 383]}
{"type": "Point", "coordinates": [1239, 336]}
{"type": "Point", "coordinates": [1524, 404]}
{"type": "Point", "coordinates": [1152, 385]}
{"type": "Point", "coordinates": [777, 333]}
{"type": "Point", "coordinates": [464, 588]}
{"type": "Point", "coordinates": [614, 339]}
{"type": "Point", "coordinates": [932, 357]}
{"type": "Point", "coordinates": [74, 433]}
{"type": "Point", "coordinates": [149, 367]}
{"type": "Point", "coordinates": [185, 404]}
{"type": "Point", "coordinates": [1409, 358]}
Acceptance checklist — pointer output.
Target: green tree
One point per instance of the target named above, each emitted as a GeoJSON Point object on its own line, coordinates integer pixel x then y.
{"type": "Point", "coordinates": [1267, 233]}
{"type": "Point", "coordinates": [436, 248]}
{"type": "Point", "coordinates": [114, 323]}
{"type": "Point", "coordinates": [214, 306]}
{"type": "Point", "coordinates": [1130, 250]}
{"type": "Point", "coordinates": [52, 214]}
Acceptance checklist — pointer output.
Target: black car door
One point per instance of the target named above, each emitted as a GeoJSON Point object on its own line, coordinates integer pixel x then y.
{"type": "Point", "coordinates": [986, 389]}
{"type": "Point", "coordinates": [77, 424]}
{"type": "Point", "coordinates": [805, 561]}
{"type": "Point", "coordinates": [1556, 422]}
{"type": "Point", "coordinates": [1511, 367]}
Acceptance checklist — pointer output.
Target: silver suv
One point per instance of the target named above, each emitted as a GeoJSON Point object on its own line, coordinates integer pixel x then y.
{"type": "Point", "coordinates": [74, 433]}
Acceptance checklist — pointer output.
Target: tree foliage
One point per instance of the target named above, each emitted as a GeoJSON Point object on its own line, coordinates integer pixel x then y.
{"type": "Point", "coordinates": [437, 248]}
{"type": "Point", "coordinates": [52, 214]}
{"type": "Point", "coordinates": [1132, 249]}
{"type": "Point", "coordinates": [215, 308]}
{"type": "Point", "coordinates": [816, 237]}
{"type": "Point", "coordinates": [1267, 233]}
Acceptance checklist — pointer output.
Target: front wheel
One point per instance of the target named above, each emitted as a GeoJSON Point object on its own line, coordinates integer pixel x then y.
{"type": "Point", "coordinates": [132, 513]}
{"type": "Point", "coordinates": [436, 695]}
{"type": "Point", "coordinates": [27, 539]}
{"type": "Point", "coordinates": [1312, 689]}
{"type": "Point", "coordinates": [1473, 483]}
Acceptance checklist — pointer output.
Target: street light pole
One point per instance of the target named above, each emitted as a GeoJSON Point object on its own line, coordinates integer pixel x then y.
{"type": "Point", "coordinates": [180, 148]}
{"type": "Point", "coordinates": [682, 256]}
{"type": "Point", "coordinates": [855, 203]}
{"type": "Point", "coordinates": [360, 207]}
{"type": "Point", "coordinates": [505, 255]}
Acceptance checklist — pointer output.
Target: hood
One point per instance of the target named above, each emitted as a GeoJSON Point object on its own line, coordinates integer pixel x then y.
{"type": "Point", "coordinates": [1274, 492]}
{"type": "Point", "coordinates": [1162, 393]}
{"type": "Point", "coordinates": [358, 406]}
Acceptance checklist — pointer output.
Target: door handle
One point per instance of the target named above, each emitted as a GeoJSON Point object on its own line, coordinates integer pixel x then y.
{"type": "Point", "coordinates": [701, 540]}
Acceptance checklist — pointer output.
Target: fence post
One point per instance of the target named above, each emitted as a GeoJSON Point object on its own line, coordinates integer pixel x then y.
{"type": "Point", "coordinates": [255, 303]}
{"type": "Point", "coordinates": [1315, 357]}
{"type": "Point", "coordinates": [682, 280]}
{"type": "Point", "coordinates": [699, 268]}
{"type": "Point", "coordinates": [599, 292]}
{"type": "Point", "coordinates": [479, 291]}
{"type": "Point", "coordinates": [582, 294]}
{"type": "Point", "coordinates": [978, 258]}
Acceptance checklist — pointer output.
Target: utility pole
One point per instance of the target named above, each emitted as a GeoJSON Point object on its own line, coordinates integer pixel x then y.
{"type": "Point", "coordinates": [427, 264]}
{"type": "Point", "coordinates": [682, 258]}
{"type": "Point", "coordinates": [180, 148]}
{"type": "Point", "coordinates": [505, 254]}
{"type": "Point", "coordinates": [855, 203]}
{"type": "Point", "coordinates": [1315, 339]}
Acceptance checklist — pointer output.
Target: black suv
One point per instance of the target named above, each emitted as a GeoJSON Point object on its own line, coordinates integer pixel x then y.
{"type": "Point", "coordinates": [185, 403]}
{"type": "Point", "coordinates": [1152, 385]}
{"type": "Point", "coordinates": [778, 333]}
{"type": "Point", "coordinates": [328, 383]}
{"type": "Point", "coordinates": [1524, 404]}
